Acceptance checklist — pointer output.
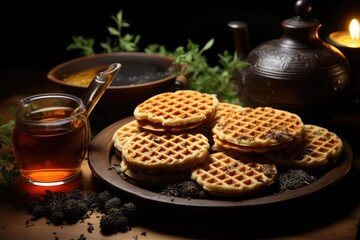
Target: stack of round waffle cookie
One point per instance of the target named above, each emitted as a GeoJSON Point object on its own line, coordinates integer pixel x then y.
{"type": "Point", "coordinates": [227, 149]}
{"type": "Point", "coordinates": [156, 147]}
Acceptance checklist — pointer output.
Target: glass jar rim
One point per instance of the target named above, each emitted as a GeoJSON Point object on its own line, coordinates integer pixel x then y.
{"type": "Point", "coordinates": [78, 109]}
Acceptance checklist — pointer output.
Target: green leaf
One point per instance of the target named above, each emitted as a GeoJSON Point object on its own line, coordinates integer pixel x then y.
{"type": "Point", "coordinates": [158, 49]}
{"type": "Point", "coordinates": [208, 45]}
{"type": "Point", "coordinates": [83, 44]}
{"type": "Point", "coordinates": [113, 31]}
{"type": "Point", "coordinates": [107, 47]}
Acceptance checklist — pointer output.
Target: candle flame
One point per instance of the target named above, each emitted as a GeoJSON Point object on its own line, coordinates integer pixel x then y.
{"type": "Point", "coordinates": [354, 29]}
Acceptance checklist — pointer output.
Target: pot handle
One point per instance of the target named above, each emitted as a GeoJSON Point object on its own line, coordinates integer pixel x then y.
{"type": "Point", "coordinates": [180, 82]}
{"type": "Point", "coordinates": [240, 34]}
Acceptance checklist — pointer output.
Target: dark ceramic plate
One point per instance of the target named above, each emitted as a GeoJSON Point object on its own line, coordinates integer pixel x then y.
{"type": "Point", "coordinates": [102, 155]}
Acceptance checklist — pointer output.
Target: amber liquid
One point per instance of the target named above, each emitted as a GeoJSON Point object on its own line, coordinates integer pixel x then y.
{"type": "Point", "coordinates": [50, 154]}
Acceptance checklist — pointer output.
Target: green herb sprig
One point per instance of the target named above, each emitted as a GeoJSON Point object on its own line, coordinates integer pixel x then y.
{"type": "Point", "coordinates": [8, 167]}
{"type": "Point", "coordinates": [115, 41]}
{"type": "Point", "coordinates": [218, 80]}
{"type": "Point", "coordinates": [85, 45]}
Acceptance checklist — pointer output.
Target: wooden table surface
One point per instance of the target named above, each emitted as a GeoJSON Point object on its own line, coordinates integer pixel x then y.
{"type": "Point", "coordinates": [332, 213]}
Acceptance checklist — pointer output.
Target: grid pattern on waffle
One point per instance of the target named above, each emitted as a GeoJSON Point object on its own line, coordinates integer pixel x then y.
{"type": "Point", "coordinates": [262, 126]}
{"type": "Point", "coordinates": [225, 108]}
{"type": "Point", "coordinates": [233, 175]}
{"type": "Point", "coordinates": [124, 132]}
{"type": "Point", "coordinates": [317, 148]}
{"type": "Point", "coordinates": [153, 152]}
{"type": "Point", "coordinates": [222, 109]}
{"type": "Point", "coordinates": [177, 108]}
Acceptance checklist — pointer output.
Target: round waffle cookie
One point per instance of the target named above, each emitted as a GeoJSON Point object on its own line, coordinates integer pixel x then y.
{"type": "Point", "coordinates": [230, 175]}
{"type": "Point", "coordinates": [261, 126]}
{"type": "Point", "coordinates": [174, 109]}
{"type": "Point", "coordinates": [152, 152]}
{"type": "Point", "coordinates": [318, 149]}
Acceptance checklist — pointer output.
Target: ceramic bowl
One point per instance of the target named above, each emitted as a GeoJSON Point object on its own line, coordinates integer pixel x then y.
{"type": "Point", "coordinates": [141, 76]}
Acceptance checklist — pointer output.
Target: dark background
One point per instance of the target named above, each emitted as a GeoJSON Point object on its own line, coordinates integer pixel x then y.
{"type": "Point", "coordinates": [35, 35]}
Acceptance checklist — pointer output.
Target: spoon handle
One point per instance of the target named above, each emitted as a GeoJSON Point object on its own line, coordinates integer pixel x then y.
{"type": "Point", "coordinates": [98, 86]}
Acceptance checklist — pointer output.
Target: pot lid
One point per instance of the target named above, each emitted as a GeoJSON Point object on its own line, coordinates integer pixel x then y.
{"type": "Point", "coordinates": [302, 20]}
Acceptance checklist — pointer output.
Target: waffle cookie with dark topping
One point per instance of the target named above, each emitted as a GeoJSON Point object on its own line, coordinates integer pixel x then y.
{"type": "Point", "coordinates": [232, 175]}
{"type": "Point", "coordinates": [318, 148]}
{"type": "Point", "coordinates": [262, 128]}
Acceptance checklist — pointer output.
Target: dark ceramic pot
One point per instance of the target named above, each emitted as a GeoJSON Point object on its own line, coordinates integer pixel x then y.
{"type": "Point", "coordinates": [119, 101]}
{"type": "Point", "coordinates": [297, 72]}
